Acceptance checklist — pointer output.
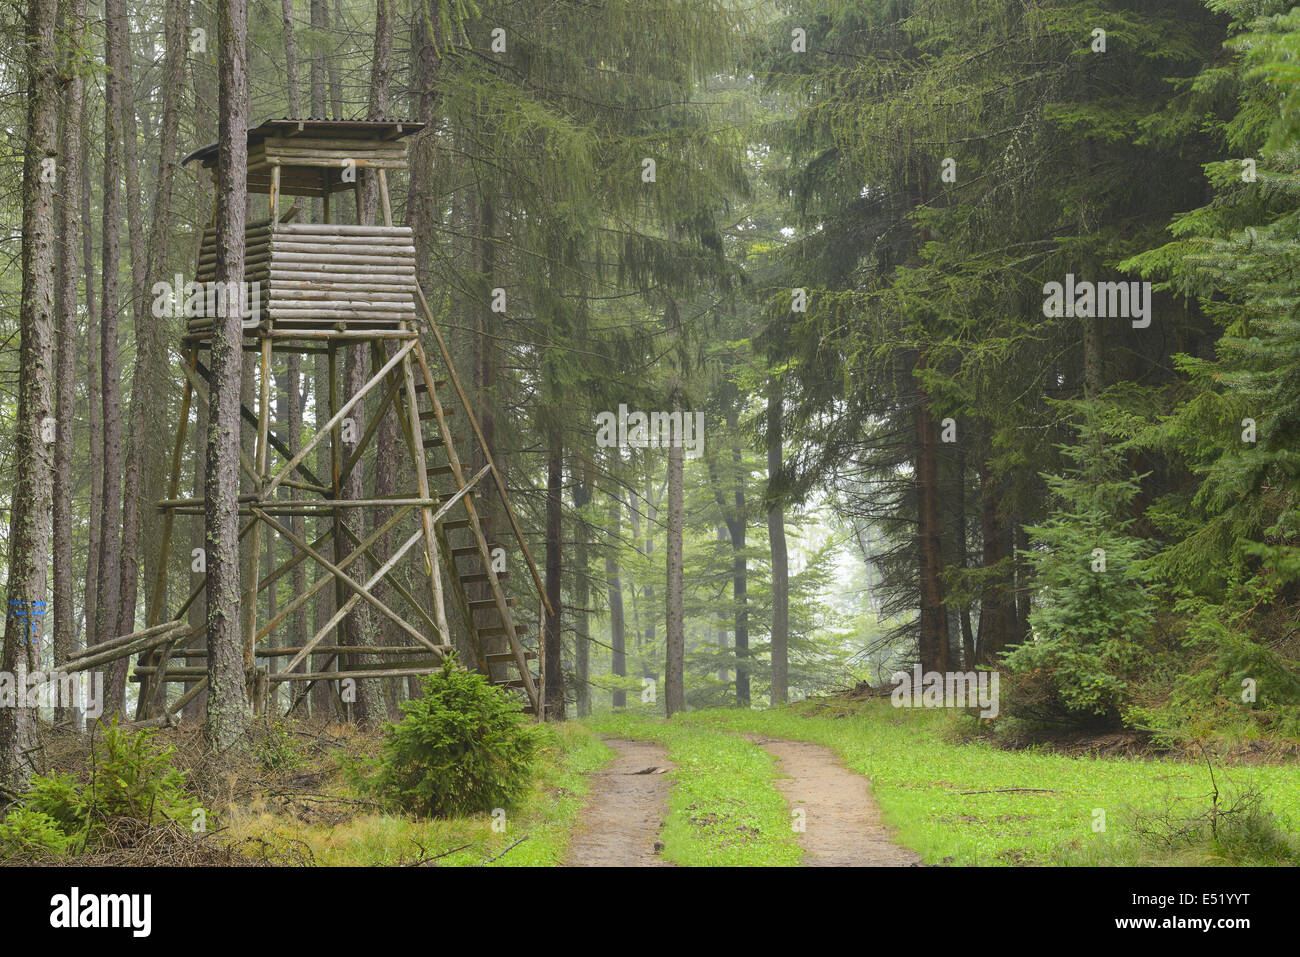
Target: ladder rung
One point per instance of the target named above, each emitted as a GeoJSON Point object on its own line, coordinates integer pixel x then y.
{"type": "Point", "coordinates": [481, 577]}
{"type": "Point", "coordinates": [516, 683]}
{"type": "Point", "coordinates": [440, 470]}
{"type": "Point", "coordinates": [471, 550]}
{"type": "Point", "coordinates": [488, 603]}
{"type": "Point", "coordinates": [430, 414]}
{"type": "Point", "coordinates": [501, 630]}
{"type": "Point", "coordinates": [508, 658]}
{"type": "Point", "coordinates": [422, 386]}
{"type": "Point", "coordinates": [455, 523]}
{"type": "Point", "coordinates": [433, 443]}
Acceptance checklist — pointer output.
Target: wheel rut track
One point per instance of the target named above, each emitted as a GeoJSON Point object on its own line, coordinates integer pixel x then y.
{"type": "Point", "coordinates": [628, 802]}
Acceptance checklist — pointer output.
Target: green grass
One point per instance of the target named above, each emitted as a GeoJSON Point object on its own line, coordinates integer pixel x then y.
{"type": "Point", "coordinates": [545, 819]}
{"type": "Point", "coordinates": [724, 809]}
{"type": "Point", "coordinates": [920, 778]}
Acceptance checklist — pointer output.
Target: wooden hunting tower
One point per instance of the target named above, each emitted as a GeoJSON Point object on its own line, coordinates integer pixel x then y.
{"type": "Point", "coordinates": [321, 289]}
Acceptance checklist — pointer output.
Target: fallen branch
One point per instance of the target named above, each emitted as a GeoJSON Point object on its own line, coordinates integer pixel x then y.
{"type": "Point", "coordinates": [1005, 790]}
{"type": "Point", "coordinates": [329, 798]}
{"type": "Point", "coordinates": [424, 857]}
{"type": "Point", "coordinates": [164, 720]}
{"type": "Point", "coordinates": [507, 850]}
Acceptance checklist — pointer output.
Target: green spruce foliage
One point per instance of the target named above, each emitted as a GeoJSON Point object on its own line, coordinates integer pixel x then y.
{"type": "Point", "coordinates": [1095, 612]}
{"type": "Point", "coordinates": [131, 778]}
{"type": "Point", "coordinates": [25, 832]}
{"type": "Point", "coordinates": [461, 748]}
{"type": "Point", "coordinates": [1229, 533]}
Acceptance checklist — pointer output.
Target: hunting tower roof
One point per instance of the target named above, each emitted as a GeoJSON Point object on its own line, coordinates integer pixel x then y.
{"type": "Point", "coordinates": [314, 154]}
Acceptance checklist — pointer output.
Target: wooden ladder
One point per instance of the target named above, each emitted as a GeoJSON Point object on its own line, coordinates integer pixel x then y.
{"type": "Point", "coordinates": [502, 648]}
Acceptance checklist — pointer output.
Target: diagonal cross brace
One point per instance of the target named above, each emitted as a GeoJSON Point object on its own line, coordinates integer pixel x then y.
{"type": "Point", "coordinates": [384, 570]}
{"type": "Point", "coordinates": [338, 417]}
{"type": "Point", "coordinates": [247, 414]}
{"type": "Point", "coordinates": [306, 596]}
{"type": "Point", "coordinates": [361, 590]}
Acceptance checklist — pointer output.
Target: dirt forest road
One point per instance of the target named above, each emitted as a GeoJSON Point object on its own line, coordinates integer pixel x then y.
{"type": "Point", "coordinates": [629, 801]}
{"type": "Point", "coordinates": [841, 820]}
{"type": "Point", "coordinates": [626, 809]}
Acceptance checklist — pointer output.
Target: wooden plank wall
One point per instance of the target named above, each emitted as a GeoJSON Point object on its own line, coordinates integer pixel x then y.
{"type": "Point", "coordinates": [324, 275]}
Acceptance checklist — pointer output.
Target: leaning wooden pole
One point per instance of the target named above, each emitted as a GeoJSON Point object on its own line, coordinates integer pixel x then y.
{"type": "Point", "coordinates": [431, 563]}
{"type": "Point", "coordinates": [478, 432]}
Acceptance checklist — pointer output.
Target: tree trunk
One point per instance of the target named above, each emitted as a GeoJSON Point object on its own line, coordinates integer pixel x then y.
{"type": "Point", "coordinates": [485, 394]}
{"type": "Point", "coordinates": [381, 71]}
{"type": "Point", "coordinates": [331, 65]}
{"type": "Point", "coordinates": [33, 461]}
{"type": "Point", "coordinates": [738, 526]}
{"type": "Point", "coordinates": [94, 405]}
{"type": "Point", "coordinates": [737, 521]}
{"type": "Point", "coordinates": [279, 404]}
{"type": "Point", "coordinates": [291, 59]}
{"type": "Point", "coordinates": [323, 703]}
{"type": "Point", "coordinates": [674, 638]}
{"type": "Point", "coordinates": [425, 63]}
{"type": "Point", "coordinates": [724, 674]}
{"type": "Point", "coordinates": [780, 559]}
{"type": "Point", "coordinates": [388, 463]}
{"type": "Point", "coordinates": [322, 696]}
{"type": "Point", "coordinates": [963, 555]}
{"type": "Point", "coordinates": [420, 216]}
{"type": "Point", "coordinates": [996, 611]}
{"type": "Point", "coordinates": [320, 22]}
{"type": "Point", "coordinates": [359, 625]}
{"type": "Point", "coordinates": [204, 96]}
{"type": "Point", "coordinates": [197, 709]}
{"type": "Point", "coordinates": [292, 387]}
{"type": "Point", "coordinates": [71, 150]}
{"type": "Point", "coordinates": [648, 590]}
{"type": "Point", "coordinates": [553, 650]}
{"type": "Point", "coordinates": [117, 25]}
{"type": "Point", "coordinates": [1024, 584]}
{"type": "Point", "coordinates": [740, 596]}
{"type": "Point", "coordinates": [297, 523]}
{"type": "Point", "coordinates": [153, 462]}
{"type": "Point", "coordinates": [227, 694]}
{"type": "Point", "coordinates": [582, 597]}
{"type": "Point", "coordinates": [634, 514]}
{"type": "Point", "coordinates": [617, 625]}
{"type": "Point", "coordinates": [109, 594]}
{"type": "Point", "coordinates": [1093, 378]}
{"type": "Point", "coordinates": [933, 646]}
{"type": "Point", "coordinates": [385, 439]}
